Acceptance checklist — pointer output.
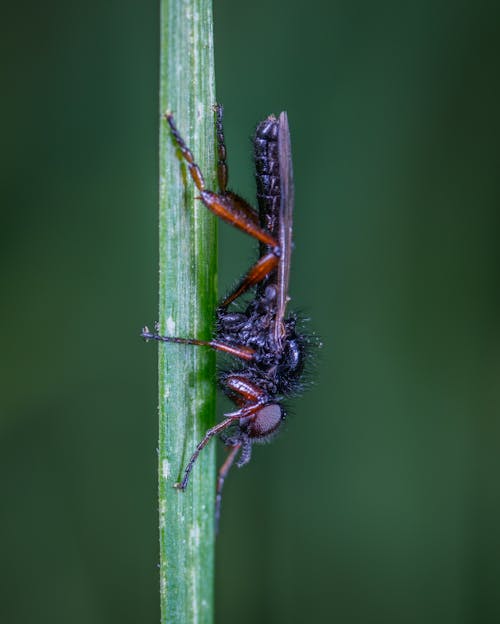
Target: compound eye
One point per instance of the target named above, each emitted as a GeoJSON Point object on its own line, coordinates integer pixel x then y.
{"type": "Point", "coordinates": [265, 421]}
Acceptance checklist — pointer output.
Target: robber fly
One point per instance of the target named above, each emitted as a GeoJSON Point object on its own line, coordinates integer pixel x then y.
{"type": "Point", "coordinates": [268, 349]}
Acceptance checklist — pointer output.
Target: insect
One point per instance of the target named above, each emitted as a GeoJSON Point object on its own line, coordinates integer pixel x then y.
{"type": "Point", "coordinates": [265, 343]}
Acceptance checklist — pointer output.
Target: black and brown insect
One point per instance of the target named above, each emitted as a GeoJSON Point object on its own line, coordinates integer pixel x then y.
{"type": "Point", "coordinates": [268, 349]}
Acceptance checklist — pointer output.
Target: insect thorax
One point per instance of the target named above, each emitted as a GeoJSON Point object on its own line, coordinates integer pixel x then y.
{"type": "Point", "coordinates": [277, 368]}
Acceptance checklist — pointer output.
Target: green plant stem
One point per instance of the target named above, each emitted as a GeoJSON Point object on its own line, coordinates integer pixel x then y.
{"type": "Point", "coordinates": [187, 302]}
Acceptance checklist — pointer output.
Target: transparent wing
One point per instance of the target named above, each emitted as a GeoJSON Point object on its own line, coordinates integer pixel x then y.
{"type": "Point", "coordinates": [285, 221]}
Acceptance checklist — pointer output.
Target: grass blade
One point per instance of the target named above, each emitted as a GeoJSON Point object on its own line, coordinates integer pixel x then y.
{"type": "Point", "coordinates": [186, 307]}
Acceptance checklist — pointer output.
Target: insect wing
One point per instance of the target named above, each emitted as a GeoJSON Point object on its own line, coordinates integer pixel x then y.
{"type": "Point", "coordinates": [285, 222]}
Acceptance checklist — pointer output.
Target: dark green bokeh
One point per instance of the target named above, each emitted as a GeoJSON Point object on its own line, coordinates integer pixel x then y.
{"type": "Point", "coordinates": [380, 501]}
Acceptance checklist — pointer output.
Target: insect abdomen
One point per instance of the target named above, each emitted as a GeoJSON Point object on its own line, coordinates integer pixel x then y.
{"type": "Point", "coordinates": [267, 173]}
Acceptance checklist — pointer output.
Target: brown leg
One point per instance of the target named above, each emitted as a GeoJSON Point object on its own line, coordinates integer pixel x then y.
{"type": "Point", "coordinates": [257, 273]}
{"type": "Point", "coordinates": [244, 353]}
{"type": "Point", "coordinates": [244, 388]}
{"type": "Point", "coordinates": [224, 469]}
{"type": "Point", "coordinates": [201, 445]}
{"type": "Point", "coordinates": [222, 171]}
{"type": "Point", "coordinates": [242, 206]}
{"type": "Point", "coordinates": [219, 428]}
{"type": "Point", "coordinates": [228, 206]}
{"type": "Point", "coordinates": [228, 210]}
{"type": "Point", "coordinates": [194, 170]}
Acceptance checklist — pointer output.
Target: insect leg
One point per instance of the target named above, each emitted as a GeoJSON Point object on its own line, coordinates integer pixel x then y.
{"type": "Point", "coordinates": [194, 170]}
{"type": "Point", "coordinates": [245, 388]}
{"type": "Point", "coordinates": [222, 171]}
{"type": "Point", "coordinates": [240, 351]}
{"type": "Point", "coordinates": [201, 445]}
{"type": "Point", "coordinates": [223, 471]}
{"type": "Point", "coordinates": [256, 274]}
{"type": "Point", "coordinates": [224, 424]}
{"type": "Point", "coordinates": [246, 452]}
{"type": "Point", "coordinates": [234, 210]}
{"type": "Point", "coordinates": [227, 205]}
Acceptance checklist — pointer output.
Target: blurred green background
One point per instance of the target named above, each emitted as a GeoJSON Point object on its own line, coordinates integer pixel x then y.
{"type": "Point", "coordinates": [380, 502]}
